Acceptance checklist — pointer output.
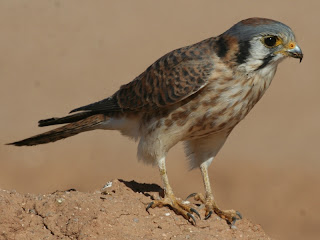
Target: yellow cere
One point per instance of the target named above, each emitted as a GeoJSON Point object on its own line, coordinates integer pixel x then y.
{"type": "Point", "coordinates": [291, 45]}
{"type": "Point", "coordinates": [283, 51]}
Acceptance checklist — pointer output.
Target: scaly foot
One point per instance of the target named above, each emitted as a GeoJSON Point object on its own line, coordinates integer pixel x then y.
{"type": "Point", "coordinates": [177, 205]}
{"type": "Point", "coordinates": [231, 216]}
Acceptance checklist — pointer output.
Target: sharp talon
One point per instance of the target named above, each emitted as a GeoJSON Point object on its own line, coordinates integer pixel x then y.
{"type": "Point", "coordinates": [209, 215]}
{"type": "Point", "coordinates": [191, 195]}
{"type": "Point", "coordinates": [191, 216]}
{"type": "Point", "coordinates": [149, 206]}
{"type": "Point", "coordinates": [239, 214]}
{"type": "Point", "coordinates": [196, 212]}
{"type": "Point", "coordinates": [234, 219]}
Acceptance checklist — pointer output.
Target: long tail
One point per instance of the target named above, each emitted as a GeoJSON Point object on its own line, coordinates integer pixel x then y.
{"type": "Point", "coordinates": [76, 126]}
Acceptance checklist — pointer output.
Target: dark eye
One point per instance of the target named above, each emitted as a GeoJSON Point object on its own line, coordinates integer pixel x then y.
{"type": "Point", "coordinates": [270, 41]}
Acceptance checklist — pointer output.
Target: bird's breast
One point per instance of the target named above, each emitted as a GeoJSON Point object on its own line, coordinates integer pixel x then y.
{"type": "Point", "coordinates": [225, 102]}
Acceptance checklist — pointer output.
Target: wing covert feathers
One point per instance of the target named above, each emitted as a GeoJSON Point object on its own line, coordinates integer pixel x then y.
{"type": "Point", "coordinates": [174, 77]}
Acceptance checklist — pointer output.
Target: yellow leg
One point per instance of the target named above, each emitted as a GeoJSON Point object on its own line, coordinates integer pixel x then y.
{"type": "Point", "coordinates": [231, 216]}
{"type": "Point", "coordinates": [176, 204]}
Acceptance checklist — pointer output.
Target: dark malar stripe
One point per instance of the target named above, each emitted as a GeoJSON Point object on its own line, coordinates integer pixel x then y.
{"type": "Point", "coordinates": [243, 52]}
{"type": "Point", "coordinates": [222, 47]}
{"type": "Point", "coordinates": [266, 60]}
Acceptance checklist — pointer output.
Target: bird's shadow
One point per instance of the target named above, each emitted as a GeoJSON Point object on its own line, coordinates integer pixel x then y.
{"type": "Point", "coordinates": [144, 188]}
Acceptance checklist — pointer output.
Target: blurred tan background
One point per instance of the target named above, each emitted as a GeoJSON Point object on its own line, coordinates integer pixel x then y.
{"type": "Point", "coordinates": [58, 55]}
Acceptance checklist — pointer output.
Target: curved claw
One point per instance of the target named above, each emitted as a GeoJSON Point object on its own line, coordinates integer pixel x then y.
{"type": "Point", "coordinates": [191, 195]}
{"type": "Point", "coordinates": [239, 214]}
{"type": "Point", "coordinates": [209, 215]}
{"type": "Point", "coordinates": [191, 216]}
{"type": "Point", "coordinates": [149, 206]}
{"type": "Point", "coordinates": [196, 212]}
{"type": "Point", "coordinates": [234, 219]}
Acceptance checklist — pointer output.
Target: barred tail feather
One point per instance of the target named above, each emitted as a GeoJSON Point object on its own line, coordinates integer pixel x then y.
{"type": "Point", "coordinates": [87, 124]}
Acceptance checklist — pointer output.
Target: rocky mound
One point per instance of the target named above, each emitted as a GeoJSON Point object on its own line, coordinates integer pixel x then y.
{"type": "Point", "coordinates": [115, 212]}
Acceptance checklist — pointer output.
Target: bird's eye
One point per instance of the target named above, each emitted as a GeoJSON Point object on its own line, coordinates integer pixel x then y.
{"type": "Point", "coordinates": [270, 41]}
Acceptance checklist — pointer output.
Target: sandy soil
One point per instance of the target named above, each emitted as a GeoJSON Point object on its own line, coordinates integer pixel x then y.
{"type": "Point", "coordinates": [115, 212]}
{"type": "Point", "coordinates": [58, 55]}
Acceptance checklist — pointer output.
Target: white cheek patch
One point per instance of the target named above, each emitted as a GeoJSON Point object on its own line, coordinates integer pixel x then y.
{"type": "Point", "coordinates": [258, 53]}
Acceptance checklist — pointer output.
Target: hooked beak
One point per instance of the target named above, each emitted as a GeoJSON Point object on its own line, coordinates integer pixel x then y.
{"type": "Point", "coordinates": [295, 52]}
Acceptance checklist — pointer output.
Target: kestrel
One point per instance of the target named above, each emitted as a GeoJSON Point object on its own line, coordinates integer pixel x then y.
{"type": "Point", "coordinates": [196, 94]}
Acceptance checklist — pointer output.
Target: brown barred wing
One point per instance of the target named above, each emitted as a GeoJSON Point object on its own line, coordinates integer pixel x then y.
{"type": "Point", "coordinates": [169, 80]}
{"type": "Point", "coordinates": [172, 78]}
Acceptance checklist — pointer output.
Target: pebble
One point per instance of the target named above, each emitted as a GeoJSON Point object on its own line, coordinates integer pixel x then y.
{"type": "Point", "coordinates": [107, 185]}
{"type": "Point", "coordinates": [60, 200]}
{"type": "Point", "coordinates": [234, 227]}
{"type": "Point", "coordinates": [32, 211]}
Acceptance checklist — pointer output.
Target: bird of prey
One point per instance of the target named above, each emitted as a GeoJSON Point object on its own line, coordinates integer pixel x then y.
{"type": "Point", "coordinates": [195, 94]}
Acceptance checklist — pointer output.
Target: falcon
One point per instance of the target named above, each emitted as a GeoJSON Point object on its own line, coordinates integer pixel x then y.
{"type": "Point", "coordinates": [195, 94]}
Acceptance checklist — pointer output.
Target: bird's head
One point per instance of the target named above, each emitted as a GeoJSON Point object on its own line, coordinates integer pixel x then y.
{"type": "Point", "coordinates": [261, 42]}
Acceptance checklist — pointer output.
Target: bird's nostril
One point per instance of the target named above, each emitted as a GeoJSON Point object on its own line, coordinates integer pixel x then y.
{"type": "Point", "coordinates": [292, 45]}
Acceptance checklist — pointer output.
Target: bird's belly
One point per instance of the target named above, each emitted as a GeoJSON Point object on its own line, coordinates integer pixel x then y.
{"type": "Point", "coordinates": [213, 122]}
